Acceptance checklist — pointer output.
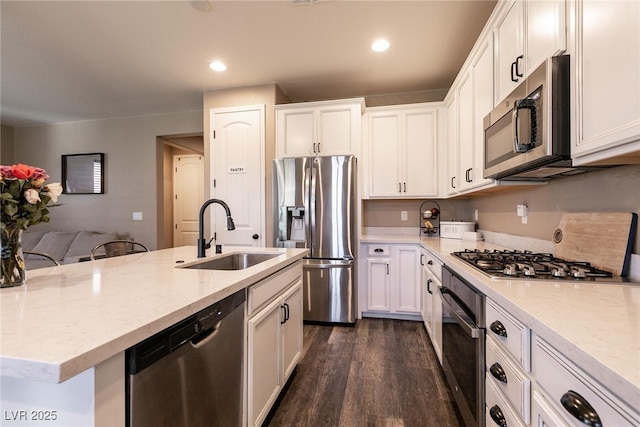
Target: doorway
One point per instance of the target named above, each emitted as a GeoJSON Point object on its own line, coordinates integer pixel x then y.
{"type": "Point", "coordinates": [170, 146]}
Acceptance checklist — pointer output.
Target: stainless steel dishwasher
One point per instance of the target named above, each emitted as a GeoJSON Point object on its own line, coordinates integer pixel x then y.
{"type": "Point", "coordinates": [190, 374]}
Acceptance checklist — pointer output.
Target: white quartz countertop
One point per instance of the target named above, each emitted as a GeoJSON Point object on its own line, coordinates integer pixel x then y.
{"type": "Point", "coordinates": [597, 326]}
{"type": "Point", "coordinates": [70, 318]}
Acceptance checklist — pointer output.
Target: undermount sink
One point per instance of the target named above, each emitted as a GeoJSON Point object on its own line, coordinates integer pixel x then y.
{"type": "Point", "coordinates": [236, 261]}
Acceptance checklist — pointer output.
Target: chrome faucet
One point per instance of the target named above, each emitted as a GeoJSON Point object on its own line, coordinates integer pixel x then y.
{"type": "Point", "coordinates": [202, 245]}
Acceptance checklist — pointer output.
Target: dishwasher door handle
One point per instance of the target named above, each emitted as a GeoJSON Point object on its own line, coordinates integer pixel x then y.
{"type": "Point", "coordinates": [205, 337]}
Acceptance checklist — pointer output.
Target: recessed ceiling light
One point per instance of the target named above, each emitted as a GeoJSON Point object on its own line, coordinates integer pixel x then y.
{"type": "Point", "coordinates": [380, 45]}
{"type": "Point", "coordinates": [217, 66]}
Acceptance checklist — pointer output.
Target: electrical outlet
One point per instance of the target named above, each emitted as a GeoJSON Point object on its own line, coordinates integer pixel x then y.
{"type": "Point", "coordinates": [403, 215]}
{"type": "Point", "coordinates": [137, 216]}
{"type": "Point", "coordinates": [475, 215]}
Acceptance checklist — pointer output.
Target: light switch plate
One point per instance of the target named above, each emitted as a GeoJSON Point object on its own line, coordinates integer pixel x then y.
{"type": "Point", "coordinates": [137, 216]}
{"type": "Point", "coordinates": [403, 215]}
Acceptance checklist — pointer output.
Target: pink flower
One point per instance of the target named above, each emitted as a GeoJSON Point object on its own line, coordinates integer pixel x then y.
{"type": "Point", "coordinates": [32, 196]}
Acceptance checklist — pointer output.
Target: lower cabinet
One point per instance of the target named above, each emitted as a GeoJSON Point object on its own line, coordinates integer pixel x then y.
{"type": "Point", "coordinates": [529, 382]}
{"type": "Point", "coordinates": [274, 345]}
{"type": "Point", "coordinates": [393, 280]}
{"type": "Point", "coordinates": [431, 301]}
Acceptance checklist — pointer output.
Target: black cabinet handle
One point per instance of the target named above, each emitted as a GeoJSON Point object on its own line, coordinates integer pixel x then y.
{"type": "Point", "coordinates": [430, 262]}
{"type": "Point", "coordinates": [378, 250]}
{"type": "Point", "coordinates": [421, 259]}
{"type": "Point", "coordinates": [467, 174]}
{"type": "Point", "coordinates": [452, 185]}
{"type": "Point", "coordinates": [285, 309]}
{"type": "Point", "coordinates": [497, 416]}
{"type": "Point", "coordinates": [399, 187]}
{"type": "Point", "coordinates": [255, 237]}
{"type": "Point", "coordinates": [518, 61]}
{"type": "Point", "coordinates": [404, 185]}
{"type": "Point", "coordinates": [498, 328]}
{"type": "Point", "coordinates": [580, 408]}
{"type": "Point", "coordinates": [429, 281]}
{"type": "Point", "coordinates": [513, 72]}
{"type": "Point", "coordinates": [498, 373]}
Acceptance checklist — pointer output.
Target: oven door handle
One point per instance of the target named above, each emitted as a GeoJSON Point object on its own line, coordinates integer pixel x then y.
{"type": "Point", "coordinates": [471, 330]}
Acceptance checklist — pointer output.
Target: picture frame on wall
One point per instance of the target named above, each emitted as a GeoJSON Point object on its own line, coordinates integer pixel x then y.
{"type": "Point", "coordinates": [83, 173]}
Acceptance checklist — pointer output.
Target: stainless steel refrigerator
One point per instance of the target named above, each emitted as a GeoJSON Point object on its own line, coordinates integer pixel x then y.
{"type": "Point", "coordinates": [315, 206]}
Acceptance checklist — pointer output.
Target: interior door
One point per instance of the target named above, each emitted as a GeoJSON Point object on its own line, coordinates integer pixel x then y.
{"type": "Point", "coordinates": [237, 165]}
{"type": "Point", "coordinates": [188, 188]}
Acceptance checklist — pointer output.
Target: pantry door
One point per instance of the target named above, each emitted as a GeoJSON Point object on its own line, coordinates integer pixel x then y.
{"type": "Point", "coordinates": [238, 176]}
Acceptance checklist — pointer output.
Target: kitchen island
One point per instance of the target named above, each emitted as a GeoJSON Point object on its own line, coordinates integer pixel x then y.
{"type": "Point", "coordinates": [64, 333]}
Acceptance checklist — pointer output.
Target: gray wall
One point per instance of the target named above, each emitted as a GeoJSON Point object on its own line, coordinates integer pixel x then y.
{"type": "Point", "coordinates": [130, 146]}
{"type": "Point", "coordinates": [6, 145]}
{"type": "Point", "coordinates": [610, 190]}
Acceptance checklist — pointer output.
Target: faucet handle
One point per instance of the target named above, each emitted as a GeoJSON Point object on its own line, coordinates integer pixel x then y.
{"type": "Point", "coordinates": [208, 244]}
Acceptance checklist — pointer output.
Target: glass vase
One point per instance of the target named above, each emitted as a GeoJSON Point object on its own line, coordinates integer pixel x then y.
{"type": "Point", "coordinates": [13, 269]}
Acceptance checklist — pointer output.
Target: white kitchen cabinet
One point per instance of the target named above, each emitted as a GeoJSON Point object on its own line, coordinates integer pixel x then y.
{"type": "Point", "coordinates": [527, 34]}
{"type": "Point", "coordinates": [274, 339]}
{"type": "Point", "coordinates": [537, 378]}
{"type": "Point", "coordinates": [393, 280]}
{"type": "Point", "coordinates": [319, 128]}
{"type": "Point", "coordinates": [451, 144]}
{"type": "Point", "coordinates": [431, 301]}
{"type": "Point", "coordinates": [472, 100]}
{"type": "Point", "coordinates": [605, 82]}
{"type": "Point", "coordinates": [571, 391]}
{"type": "Point", "coordinates": [401, 159]}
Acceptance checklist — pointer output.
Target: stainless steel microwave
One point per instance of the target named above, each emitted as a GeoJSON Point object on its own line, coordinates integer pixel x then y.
{"type": "Point", "coordinates": [527, 136]}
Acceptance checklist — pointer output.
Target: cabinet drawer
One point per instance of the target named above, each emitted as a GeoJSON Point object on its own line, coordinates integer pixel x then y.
{"type": "Point", "coordinates": [498, 411]}
{"type": "Point", "coordinates": [561, 379]}
{"type": "Point", "coordinates": [266, 290]}
{"type": "Point", "coordinates": [432, 264]}
{"type": "Point", "coordinates": [507, 377]}
{"type": "Point", "coordinates": [379, 250]}
{"type": "Point", "coordinates": [510, 333]}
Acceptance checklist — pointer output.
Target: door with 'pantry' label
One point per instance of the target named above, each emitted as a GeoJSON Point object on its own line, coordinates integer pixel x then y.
{"type": "Point", "coordinates": [237, 172]}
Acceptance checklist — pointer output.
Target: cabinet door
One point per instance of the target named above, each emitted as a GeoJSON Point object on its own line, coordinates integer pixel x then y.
{"type": "Point", "coordinates": [482, 105]}
{"type": "Point", "coordinates": [378, 284]}
{"type": "Point", "coordinates": [292, 329]}
{"type": "Point", "coordinates": [436, 338]}
{"type": "Point", "coordinates": [406, 278]}
{"type": "Point", "coordinates": [509, 42]}
{"type": "Point", "coordinates": [420, 151]}
{"type": "Point", "coordinates": [295, 132]}
{"type": "Point", "coordinates": [607, 84]}
{"type": "Point", "coordinates": [264, 379]}
{"type": "Point", "coordinates": [465, 133]}
{"type": "Point", "coordinates": [338, 130]}
{"type": "Point", "coordinates": [427, 300]}
{"type": "Point", "coordinates": [452, 146]}
{"type": "Point", "coordinates": [384, 155]}
{"type": "Point", "coordinates": [545, 31]}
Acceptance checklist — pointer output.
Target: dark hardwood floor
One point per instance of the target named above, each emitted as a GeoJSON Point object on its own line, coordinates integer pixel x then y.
{"type": "Point", "coordinates": [379, 373]}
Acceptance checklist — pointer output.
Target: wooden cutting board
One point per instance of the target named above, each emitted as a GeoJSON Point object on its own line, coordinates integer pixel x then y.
{"type": "Point", "coordinates": [602, 238]}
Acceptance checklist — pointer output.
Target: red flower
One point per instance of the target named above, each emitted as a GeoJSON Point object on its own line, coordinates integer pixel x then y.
{"type": "Point", "coordinates": [21, 171]}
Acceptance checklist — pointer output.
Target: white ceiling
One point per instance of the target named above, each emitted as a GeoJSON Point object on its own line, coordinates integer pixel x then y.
{"type": "Point", "coordinates": [80, 60]}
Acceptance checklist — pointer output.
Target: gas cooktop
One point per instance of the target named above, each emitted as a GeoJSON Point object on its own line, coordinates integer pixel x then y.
{"type": "Point", "coordinates": [528, 265]}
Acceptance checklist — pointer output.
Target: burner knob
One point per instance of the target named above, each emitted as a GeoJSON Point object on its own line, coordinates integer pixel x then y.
{"type": "Point", "coordinates": [558, 272]}
{"type": "Point", "coordinates": [578, 272]}
{"type": "Point", "coordinates": [510, 270]}
{"type": "Point", "coordinates": [528, 270]}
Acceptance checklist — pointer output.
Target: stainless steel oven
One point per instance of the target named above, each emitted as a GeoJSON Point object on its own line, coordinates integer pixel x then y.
{"type": "Point", "coordinates": [463, 345]}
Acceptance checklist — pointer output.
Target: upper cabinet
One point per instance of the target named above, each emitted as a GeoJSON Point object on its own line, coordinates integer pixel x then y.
{"type": "Point", "coordinates": [319, 128]}
{"type": "Point", "coordinates": [468, 104]}
{"type": "Point", "coordinates": [527, 34]}
{"type": "Point", "coordinates": [401, 149]}
{"type": "Point", "coordinates": [605, 74]}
